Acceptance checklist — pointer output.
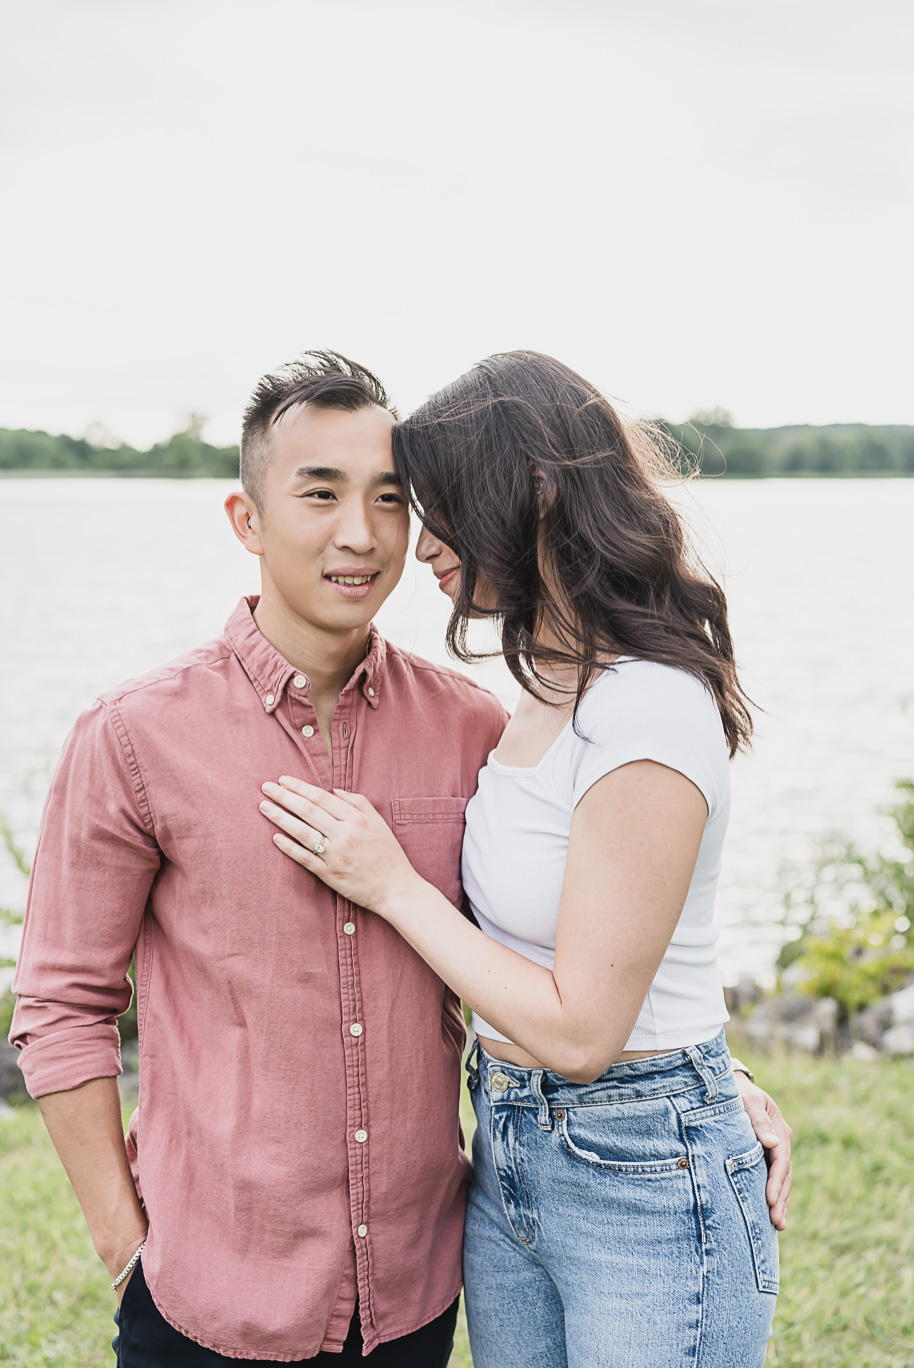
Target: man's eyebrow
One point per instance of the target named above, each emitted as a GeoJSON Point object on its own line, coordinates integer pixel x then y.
{"type": "Point", "coordinates": [320, 473]}
{"type": "Point", "coordinates": [380, 477]}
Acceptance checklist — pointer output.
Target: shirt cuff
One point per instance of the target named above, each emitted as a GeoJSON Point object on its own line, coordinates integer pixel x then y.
{"type": "Point", "coordinates": [66, 1059]}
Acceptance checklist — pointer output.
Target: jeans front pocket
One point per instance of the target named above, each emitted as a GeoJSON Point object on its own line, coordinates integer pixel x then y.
{"type": "Point", "coordinates": [638, 1139]}
{"type": "Point", "coordinates": [748, 1176]}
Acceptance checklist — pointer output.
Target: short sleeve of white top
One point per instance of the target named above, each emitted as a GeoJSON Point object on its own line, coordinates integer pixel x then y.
{"type": "Point", "coordinates": [518, 824]}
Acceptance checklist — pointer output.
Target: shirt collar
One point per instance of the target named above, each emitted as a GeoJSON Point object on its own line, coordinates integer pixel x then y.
{"type": "Point", "coordinates": [270, 672]}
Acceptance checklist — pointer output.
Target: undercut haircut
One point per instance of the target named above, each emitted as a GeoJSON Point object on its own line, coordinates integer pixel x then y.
{"type": "Point", "coordinates": [322, 378]}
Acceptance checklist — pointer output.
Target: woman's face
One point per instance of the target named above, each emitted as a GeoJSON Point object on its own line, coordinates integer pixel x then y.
{"type": "Point", "coordinates": [445, 565]}
{"type": "Point", "coordinates": [443, 562]}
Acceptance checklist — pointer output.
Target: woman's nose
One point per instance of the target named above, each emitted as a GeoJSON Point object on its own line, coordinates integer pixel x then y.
{"type": "Point", "coordinates": [426, 546]}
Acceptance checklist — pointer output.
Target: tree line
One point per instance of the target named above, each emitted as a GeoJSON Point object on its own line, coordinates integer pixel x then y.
{"type": "Point", "coordinates": [712, 445]}
{"type": "Point", "coordinates": [708, 443]}
{"type": "Point", "coordinates": [184, 454]}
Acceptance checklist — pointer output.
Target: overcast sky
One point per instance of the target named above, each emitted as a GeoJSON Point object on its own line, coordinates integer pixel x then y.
{"type": "Point", "coordinates": [694, 202]}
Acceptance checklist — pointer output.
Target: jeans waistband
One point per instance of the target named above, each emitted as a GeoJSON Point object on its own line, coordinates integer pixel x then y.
{"type": "Point", "coordinates": [705, 1065]}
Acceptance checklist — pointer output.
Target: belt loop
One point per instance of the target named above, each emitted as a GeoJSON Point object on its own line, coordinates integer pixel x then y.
{"type": "Point", "coordinates": [543, 1118]}
{"type": "Point", "coordinates": [472, 1065]}
{"type": "Point", "coordinates": [704, 1073]}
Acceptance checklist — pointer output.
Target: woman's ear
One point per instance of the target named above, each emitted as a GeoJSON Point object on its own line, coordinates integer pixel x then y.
{"type": "Point", "coordinates": [541, 489]}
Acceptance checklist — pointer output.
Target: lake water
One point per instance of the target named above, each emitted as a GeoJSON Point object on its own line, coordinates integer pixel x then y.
{"type": "Point", "coordinates": [103, 579]}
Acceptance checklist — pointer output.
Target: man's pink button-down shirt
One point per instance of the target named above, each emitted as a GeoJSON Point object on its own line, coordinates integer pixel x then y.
{"type": "Point", "coordinates": [268, 1207]}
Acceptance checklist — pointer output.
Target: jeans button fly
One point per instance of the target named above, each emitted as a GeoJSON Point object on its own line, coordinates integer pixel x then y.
{"type": "Point", "coordinates": [499, 1082]}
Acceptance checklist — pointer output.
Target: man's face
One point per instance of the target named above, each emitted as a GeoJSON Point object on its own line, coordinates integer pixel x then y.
{"type": "Point", "coordinates": [335, 524]}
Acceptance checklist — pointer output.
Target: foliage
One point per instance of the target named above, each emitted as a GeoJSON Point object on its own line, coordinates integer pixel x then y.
{"type": "Point", "coordinates": [14, 849]}
{"type": "Point", "coordinates": [184, 454]}
{"type": "Point", "coordinates": [710, 443]}
{"type": "Point", "coordinates": [855, 924]}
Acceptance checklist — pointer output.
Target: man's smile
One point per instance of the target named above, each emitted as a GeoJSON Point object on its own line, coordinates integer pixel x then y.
{"type": "Point", "coordinates": [352, 583]}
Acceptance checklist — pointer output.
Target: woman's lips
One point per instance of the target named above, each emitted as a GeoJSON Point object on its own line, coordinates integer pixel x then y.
{"type": "Point", "coordinates": [446, 579]}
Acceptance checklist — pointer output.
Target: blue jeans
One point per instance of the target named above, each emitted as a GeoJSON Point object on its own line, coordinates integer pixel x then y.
{"type": "Point", "coordinates": [618, 1224]}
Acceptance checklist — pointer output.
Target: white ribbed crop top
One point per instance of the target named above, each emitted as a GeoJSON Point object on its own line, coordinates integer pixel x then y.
{"type": "Point", "coordinates": [518, 822]}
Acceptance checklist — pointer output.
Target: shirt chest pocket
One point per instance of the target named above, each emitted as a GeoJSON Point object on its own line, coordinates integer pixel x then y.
{"type": "Point", "coordinates": [430, 830]}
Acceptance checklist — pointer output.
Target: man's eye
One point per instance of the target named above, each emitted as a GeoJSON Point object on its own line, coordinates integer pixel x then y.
{"type": "Point", "coordinates": [322, 495]}
{"type": "Point", "coordinates": [391, 498]}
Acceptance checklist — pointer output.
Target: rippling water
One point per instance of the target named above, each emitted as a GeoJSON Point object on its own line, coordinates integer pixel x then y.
{"type": "Point", "coordinates": [103, 579]}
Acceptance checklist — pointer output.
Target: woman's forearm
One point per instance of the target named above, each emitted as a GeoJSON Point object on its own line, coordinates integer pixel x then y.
{"type": "Point", "coordinates": [522, 1000]}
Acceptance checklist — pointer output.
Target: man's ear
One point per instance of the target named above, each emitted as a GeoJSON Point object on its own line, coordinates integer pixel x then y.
{"type": "Point", "coordinates": [245, 519]}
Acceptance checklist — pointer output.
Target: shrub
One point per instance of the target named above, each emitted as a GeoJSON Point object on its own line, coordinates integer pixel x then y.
{"type": "Point", "coordinates": [854, 927]}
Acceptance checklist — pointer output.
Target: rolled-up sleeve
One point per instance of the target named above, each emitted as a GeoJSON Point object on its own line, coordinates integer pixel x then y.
{"type": "Point", "coordinates": [94, 866]}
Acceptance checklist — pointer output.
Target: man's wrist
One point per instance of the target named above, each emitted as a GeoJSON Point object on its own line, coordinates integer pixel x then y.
{"type": "Point", "coordinates": [739, 1067]}
{"type": "Point", "coordinates": [116, 1257]}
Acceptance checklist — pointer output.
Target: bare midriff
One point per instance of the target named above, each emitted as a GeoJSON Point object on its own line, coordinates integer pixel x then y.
{"type": "Point", "coordinates": [513, 1054]}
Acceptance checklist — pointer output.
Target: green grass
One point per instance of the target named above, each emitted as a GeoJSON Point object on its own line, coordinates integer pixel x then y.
{"type": "Point", "coordinates": [847, 1257]}
{"type": "Point", "coordinates": [55, 1307]}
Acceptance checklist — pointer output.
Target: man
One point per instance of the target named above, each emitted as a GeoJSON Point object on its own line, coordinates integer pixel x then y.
{"type": "Point", "coordinates": [294, 1172]}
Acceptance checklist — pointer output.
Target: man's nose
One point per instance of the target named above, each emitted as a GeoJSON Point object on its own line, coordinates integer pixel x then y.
{"type": "Point", "coordinates": [355, 530]}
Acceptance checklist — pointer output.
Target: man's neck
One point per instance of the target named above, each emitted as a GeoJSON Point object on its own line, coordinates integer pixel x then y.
{"type": "Point", "coordinates": [329, 659]}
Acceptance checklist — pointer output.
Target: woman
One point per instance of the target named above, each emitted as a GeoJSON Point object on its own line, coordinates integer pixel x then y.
{"type": "Point", "coordinates": [617, 1214]}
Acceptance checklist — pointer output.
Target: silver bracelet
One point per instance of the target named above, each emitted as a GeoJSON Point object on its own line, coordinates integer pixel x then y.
{"type": "Point", "coordinates": [739, 1067]}
{"type": "Point", "coordinates": [129, 1269]}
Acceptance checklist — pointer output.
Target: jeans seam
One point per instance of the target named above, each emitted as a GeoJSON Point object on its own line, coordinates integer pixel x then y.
{"type": "Point", "coordinates": [702, 1236]}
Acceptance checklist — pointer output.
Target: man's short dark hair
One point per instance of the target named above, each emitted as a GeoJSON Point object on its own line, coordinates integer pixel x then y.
{"type": "Point", "coordinates": [323, 378]}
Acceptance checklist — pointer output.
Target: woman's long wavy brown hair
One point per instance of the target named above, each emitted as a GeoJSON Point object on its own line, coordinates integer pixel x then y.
{"type": "Point", "coordinates": [557, 512]}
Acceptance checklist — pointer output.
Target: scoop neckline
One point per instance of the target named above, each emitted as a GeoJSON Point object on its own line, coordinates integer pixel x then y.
{"type": "Point", "coordinates": [530, 769]}
{"type": "Point", "coordinates": [501, 768]}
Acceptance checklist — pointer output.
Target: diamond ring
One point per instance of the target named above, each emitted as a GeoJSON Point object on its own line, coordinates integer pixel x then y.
{"type": "Point", "coordinates": [319, 848]}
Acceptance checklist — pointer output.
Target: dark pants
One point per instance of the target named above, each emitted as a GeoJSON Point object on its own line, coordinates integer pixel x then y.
{"type": "Point", "coordinates": [146, 1340]}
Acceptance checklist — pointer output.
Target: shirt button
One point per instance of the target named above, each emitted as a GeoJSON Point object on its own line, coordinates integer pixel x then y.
{"type": "Point", "coordinates": [361, 1136]}
{"type": "Point", "coordinates": [269, 700]}
{"type": "Point", "coordinates": [355, 1029]}
{"type": "Point", "coordinates": [370, 691]}
{"type": "Point", "coordinates": [307, 731]}
{"type": "Point", "coordinates": [362, 1232]}
{"type": "Point", "coordinates": [349, 928]}
{"type": "Point", "coordinates": [299, 681]}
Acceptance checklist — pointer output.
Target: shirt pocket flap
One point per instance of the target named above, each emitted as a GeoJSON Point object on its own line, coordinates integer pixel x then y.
{"type": "Point", "coordinates": [408, 810]}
